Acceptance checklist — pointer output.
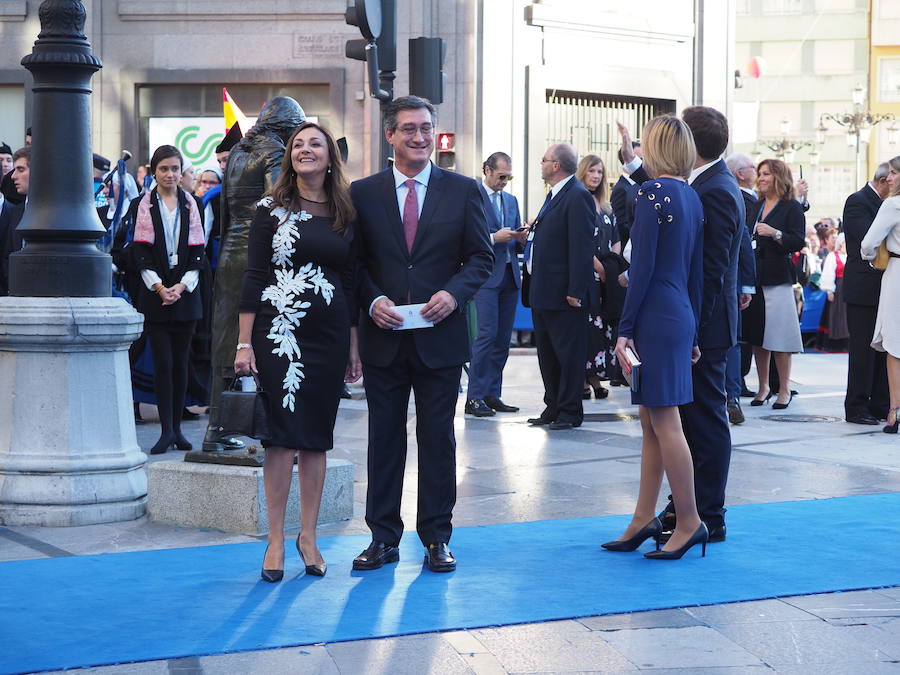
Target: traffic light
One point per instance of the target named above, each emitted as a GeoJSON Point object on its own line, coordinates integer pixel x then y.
{"type": "Point", "coordinates": [446, 151]}
{"type": "Point", "coordinates": [376, 22]}
{"type": "Point", "coordinates": [426, 66]}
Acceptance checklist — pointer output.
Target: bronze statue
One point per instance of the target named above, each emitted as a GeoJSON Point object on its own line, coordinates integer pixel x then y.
{"type": "Point", "coordinates": [253, 168]}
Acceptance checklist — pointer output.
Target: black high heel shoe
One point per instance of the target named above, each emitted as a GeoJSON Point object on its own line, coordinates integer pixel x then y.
{"type": "Point", "coordinates": [782, 406]}
{"type": "Point", "coordinates": [891, 427]}
{"type": "Point", "coordinates": [586, 394]}
{"type": "Point", "coordinates": [314, 570]}
{"type": "Point", "coordinates": [757, 402]}
{"type": "Point", "coordinates": [701, 536]}
{"type": "Point", "coordinates": [600, 391]}
{"type": "Point", "coordinates": [272, 576]}
{"type": "Point", "coordinates": [652, 529]}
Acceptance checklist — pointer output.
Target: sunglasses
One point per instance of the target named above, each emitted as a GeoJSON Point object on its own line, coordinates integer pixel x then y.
{"type": "Point", "coordinates": [504, 176]}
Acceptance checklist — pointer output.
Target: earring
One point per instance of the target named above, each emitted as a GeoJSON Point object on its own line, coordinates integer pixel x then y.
{"type": "Point", "coordinates": [329, 169]}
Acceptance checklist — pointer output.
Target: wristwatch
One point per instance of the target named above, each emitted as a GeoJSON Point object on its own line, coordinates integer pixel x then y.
{"type": "Point", "coordinates": [778, 235]}
{"type": "Point", "coordinates": [244, 345]}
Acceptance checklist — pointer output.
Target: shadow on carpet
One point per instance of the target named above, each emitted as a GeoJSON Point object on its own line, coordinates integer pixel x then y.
{"type": "Point", "coordinates": [162, 604]}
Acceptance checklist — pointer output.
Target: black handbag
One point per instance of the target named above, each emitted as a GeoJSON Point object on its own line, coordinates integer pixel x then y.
{"type": "Point", "coordinates": [245, 413]}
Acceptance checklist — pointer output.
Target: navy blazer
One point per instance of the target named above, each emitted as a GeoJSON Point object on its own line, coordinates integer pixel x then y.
{"type": "Point", "coordinates": [513, 221]}
{"type": "Point", "coordinates": [724, 214]}
{"type": "Point", "coordinates": [725, 218]}
{"type": "Point", "coordinates": [862, 282]}
{"type": "Point", "coordinates": [563, 250]}
{"type": "Point", "coordinates": [622, 200]}
{"type": "Point", "coordinates": [451, 252]}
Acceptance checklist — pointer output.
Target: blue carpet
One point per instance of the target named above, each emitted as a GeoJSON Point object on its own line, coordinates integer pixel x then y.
{"type": "Point", "coordinates": [105, 609]}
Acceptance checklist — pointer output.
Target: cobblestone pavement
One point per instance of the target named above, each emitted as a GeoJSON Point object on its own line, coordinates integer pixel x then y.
{"type": "Point", "coordinates": [509, 472]}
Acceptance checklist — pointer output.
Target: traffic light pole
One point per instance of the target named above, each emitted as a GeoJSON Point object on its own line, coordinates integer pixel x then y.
{"type": "Point", "coordinates": [377, 21]}
{"type": "Point", "coordinates": [388, 65]}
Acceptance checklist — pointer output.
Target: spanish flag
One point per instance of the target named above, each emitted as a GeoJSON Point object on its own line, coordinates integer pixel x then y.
{"type": "Point", "coordinates": [233, 113]}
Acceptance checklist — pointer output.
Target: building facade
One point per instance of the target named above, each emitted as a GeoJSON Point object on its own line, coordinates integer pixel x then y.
{"type": "Point", "coordinates": [815, 53]}
{"type": "Point", "coordinates": [519, 74]}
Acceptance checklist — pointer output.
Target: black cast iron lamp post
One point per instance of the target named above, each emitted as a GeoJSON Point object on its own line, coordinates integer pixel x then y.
{"type": "Point", "coordinates": [60, 226]}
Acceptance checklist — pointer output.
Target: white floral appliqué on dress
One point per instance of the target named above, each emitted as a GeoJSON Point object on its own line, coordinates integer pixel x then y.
{"type": "Point", "coordinates": [287, 294]}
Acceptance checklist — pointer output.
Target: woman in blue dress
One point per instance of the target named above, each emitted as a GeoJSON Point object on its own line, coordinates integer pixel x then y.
{"type": "Point", "coordinates": [659, 324]}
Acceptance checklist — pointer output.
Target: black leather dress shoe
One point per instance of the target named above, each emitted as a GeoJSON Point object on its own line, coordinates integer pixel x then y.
{"type": "Point", "coordinates": [376, 554]}
{"type": "Point", "coordinates": [477, 407]}
{"type": "Point", "coordinates": [717, 533]}
{"type": "Point", "coordinates": [539, 421]}
{"type": "Point", "coordinates": [498, 405]}
{"type": "Point", "coordinates": [668, 520]}
{"type": "Point", "coordinates": [746, 393]}
{"type": "Point", "coordinates": [439, 559]}
{"type": "Point", "coordinates": [863, 418]}
{"type": "Point", "coordinates": [562, 425]}
{"type": "Point", "coordinates": [188, 415]}
{"type": "Point", "coordinates": [735, 414]}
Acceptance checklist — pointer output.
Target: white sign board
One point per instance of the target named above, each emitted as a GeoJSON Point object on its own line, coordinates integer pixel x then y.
{"type": "Point", "coordinates": [195, 137]}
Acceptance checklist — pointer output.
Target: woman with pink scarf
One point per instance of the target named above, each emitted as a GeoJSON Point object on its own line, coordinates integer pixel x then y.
{"type": "Point", "coordinates": [168, 250]}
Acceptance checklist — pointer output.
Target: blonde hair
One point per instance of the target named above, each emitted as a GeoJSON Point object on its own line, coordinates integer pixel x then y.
{"type": "Point", "coordinates": [584, 165]}
{"type": "Point", "coordinates": [894, 163]}
{"type": "Point", "coordinates": [668, 147]}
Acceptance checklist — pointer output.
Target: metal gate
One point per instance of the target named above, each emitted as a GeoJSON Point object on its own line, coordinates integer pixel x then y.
{"type": "Point", "coordinates": [588, 122]}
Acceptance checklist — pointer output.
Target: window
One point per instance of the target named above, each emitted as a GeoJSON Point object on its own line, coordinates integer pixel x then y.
{"type": "Point", "coordinates": [782, 7]}
{"type": "Point", "coordinates": [784, 58]}
{"type": "Point", "coordinates": [834, 57]}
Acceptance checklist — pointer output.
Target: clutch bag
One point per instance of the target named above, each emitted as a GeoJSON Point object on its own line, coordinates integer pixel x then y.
{"type": "Point", "coordinates": [882, 256]}
{"type": "Point", "coordinates": [244, 413]}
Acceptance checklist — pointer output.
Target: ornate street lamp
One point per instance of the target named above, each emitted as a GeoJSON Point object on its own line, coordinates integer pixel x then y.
{"type": "Point", "coordinates": [858, 125]}
{"type": "Point", "coordinates": [785, 148]}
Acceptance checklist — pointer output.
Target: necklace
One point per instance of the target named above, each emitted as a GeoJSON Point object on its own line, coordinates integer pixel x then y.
{"type": "Point", "coordinates": [311, 201]}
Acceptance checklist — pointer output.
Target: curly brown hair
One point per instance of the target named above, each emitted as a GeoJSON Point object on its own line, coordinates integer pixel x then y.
{"type": "Point", "coordinates": [337, 188]}
{"type": "Point", "coordinates": [783, 181]}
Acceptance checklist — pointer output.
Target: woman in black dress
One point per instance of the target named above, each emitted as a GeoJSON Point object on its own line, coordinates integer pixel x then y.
{"type": "Point", "coordinates": [167, 251]}
{"type": "Point", "coordinates": [297, 328]}
{"type": "Point", "coordinates": [604, 309]}
{"type": "Point", "coordinates": [770, 323]}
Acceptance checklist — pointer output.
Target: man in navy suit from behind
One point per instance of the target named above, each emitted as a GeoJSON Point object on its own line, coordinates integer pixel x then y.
{"type": "Point", "coordinates": [866, 401]}
{"type": "Point", "coordinates": [423, 239]}
{"type": "Point", "coordinates": [559, 272]}
{"type": "Point", "coordinates": [495, 302]}
{"type": "Point", "coordinates": [705, 421]}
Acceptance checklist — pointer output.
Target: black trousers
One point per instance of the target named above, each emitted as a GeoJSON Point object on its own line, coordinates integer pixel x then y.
{"type": "Point", "coordinates": [706, 429]}
{"type": "Point", "coordinates": [561, 338]}
{"type": "Point", "coordinates": [387, 396]}
{"type": "Point", "coordinates": [867, 386]}
{"type": "Point", "coordinates": [171, 347]}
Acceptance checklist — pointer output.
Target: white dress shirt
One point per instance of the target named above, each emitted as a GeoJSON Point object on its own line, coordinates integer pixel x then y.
{"type": "Point", "coordinates": [171, 221]}
{"type": "Point", "coordinates": [421, 179]}
{"type": "Point", "coordinates": [421, 186]}
{"type": "Point", "coordinates": [553, 192]}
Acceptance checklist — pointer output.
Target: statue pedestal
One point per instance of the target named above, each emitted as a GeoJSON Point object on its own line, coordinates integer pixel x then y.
{"type": "Point", "coordinates": [68, 451]}
{"type": "Point", "coordinates": [232, 498]}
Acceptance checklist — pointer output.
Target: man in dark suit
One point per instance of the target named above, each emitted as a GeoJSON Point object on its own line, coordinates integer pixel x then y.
{"type": "Point", "coordinates": [705, 421]}
{"type": "Point", "coordinates": [737, 363]}
{"type": "Point", "coordinates": [12, 213]}
{"type": "Point", "coordinates": [622, 198]}
{"type": "Point", "coordinates": [867, 390]}
{"type": "Point", "coordinates": [495, 302]}
{"type": "Point", "coordinates": [558, 276]}
{"type": "Point", "coordinates": [423, 239]}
